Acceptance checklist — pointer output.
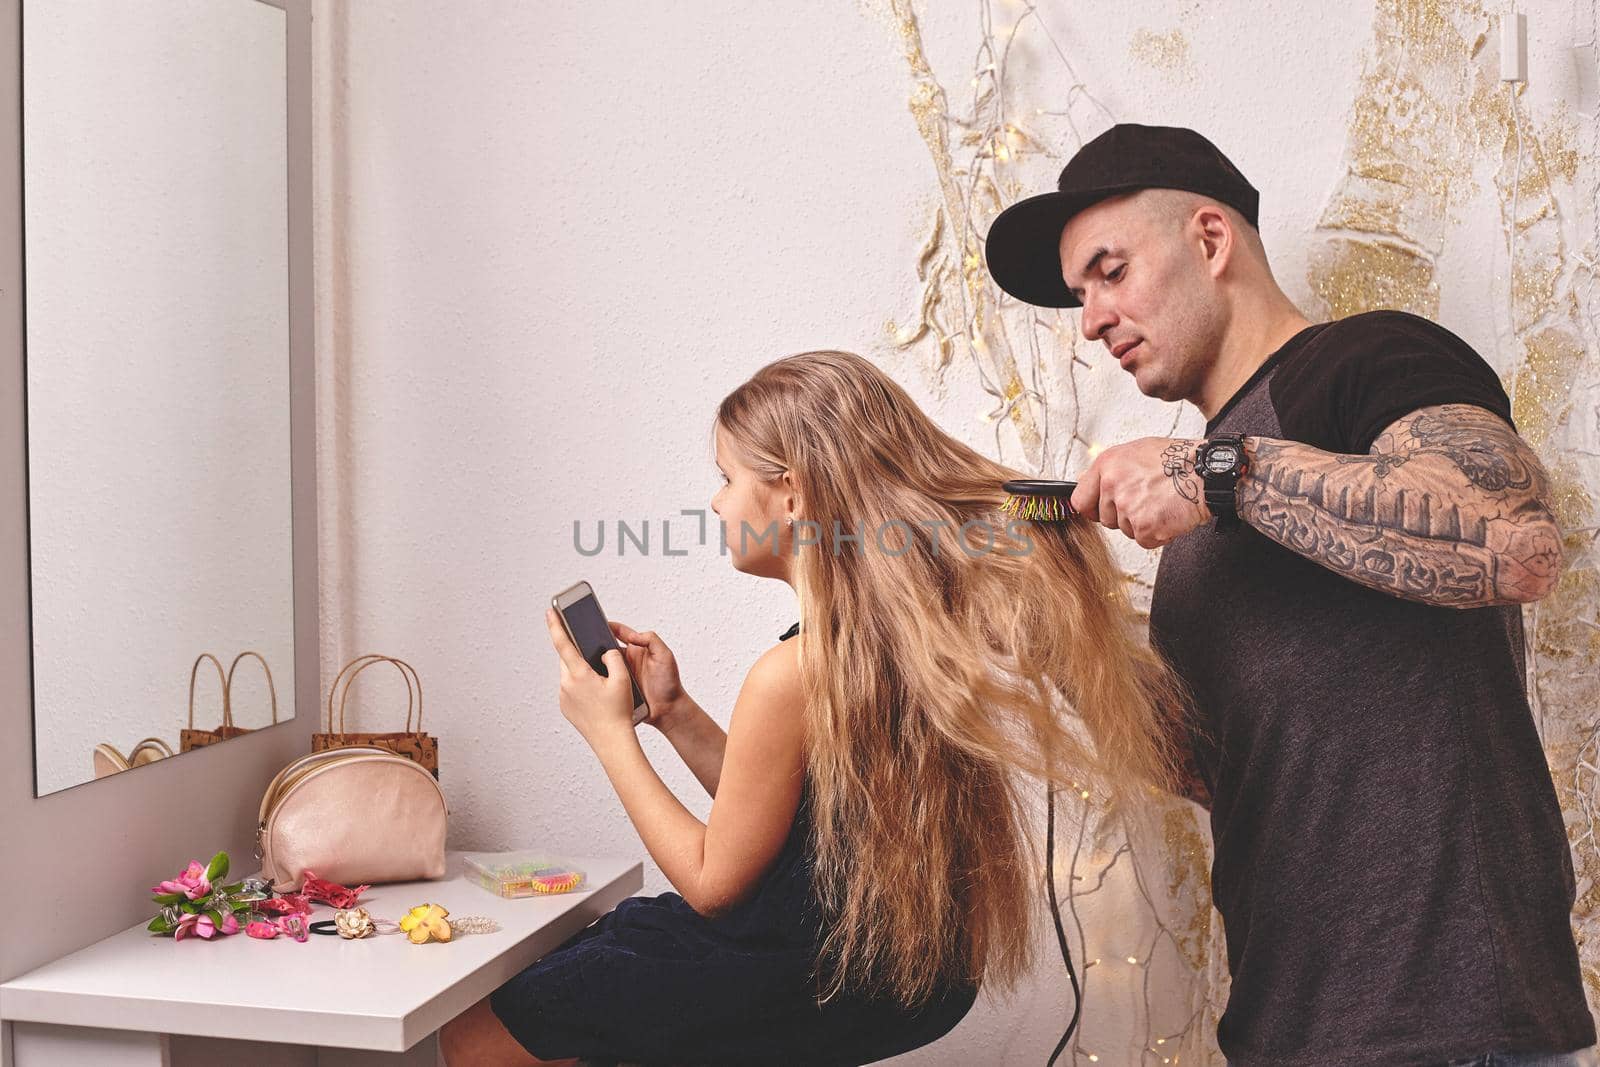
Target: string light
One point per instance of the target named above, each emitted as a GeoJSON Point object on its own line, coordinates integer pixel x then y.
{"type": "Point", "coordinates": [1013, 348]}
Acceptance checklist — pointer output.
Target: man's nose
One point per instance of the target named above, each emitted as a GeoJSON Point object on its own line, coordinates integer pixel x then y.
{"type": "Point", "coordinates": [1096, 319]}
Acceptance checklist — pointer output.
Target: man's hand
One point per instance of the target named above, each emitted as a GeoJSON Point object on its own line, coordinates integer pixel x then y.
{"type": "Point", "coordinates": [1147, 488]}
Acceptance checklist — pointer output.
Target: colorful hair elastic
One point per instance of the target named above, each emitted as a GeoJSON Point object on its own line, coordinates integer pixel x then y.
{"type": "Point", "coordinates": [557, 883]}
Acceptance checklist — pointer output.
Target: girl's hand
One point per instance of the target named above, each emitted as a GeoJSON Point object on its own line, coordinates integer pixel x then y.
{"type": "Point", "coordinates": [656, 669]}
{"type": "Point", "coordinates": [594, 704]}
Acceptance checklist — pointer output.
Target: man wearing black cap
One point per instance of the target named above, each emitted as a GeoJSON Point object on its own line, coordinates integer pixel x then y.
{"type": "Point", "coordinates": [1345, 556]}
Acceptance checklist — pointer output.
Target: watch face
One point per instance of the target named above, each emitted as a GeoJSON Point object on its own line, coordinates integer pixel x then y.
{"type": "Point", "coordinates": [1220, 459]}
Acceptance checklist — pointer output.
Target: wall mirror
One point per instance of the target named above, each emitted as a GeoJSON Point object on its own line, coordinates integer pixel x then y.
{"type": "Point", "coordinates": [156, 295]}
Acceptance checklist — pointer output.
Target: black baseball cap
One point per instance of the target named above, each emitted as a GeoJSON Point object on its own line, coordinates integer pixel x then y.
{"type": "Point", "coordinates": [1023, 246]}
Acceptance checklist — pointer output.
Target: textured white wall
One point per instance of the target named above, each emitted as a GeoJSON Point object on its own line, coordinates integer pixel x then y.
{"type": "Point", "coordinates": [557, 236]}
{"type": "Point", "coordinates": [158, 369]}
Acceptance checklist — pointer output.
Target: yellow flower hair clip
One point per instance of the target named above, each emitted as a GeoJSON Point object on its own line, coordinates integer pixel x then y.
{"type": "Point", "coordinates": [426, 921]}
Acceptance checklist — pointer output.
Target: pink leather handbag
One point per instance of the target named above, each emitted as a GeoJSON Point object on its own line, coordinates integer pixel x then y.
{"type": "Point", "coordinates": [351, 815]}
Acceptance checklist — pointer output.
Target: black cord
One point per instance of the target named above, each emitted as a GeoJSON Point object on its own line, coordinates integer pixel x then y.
{"type": "Point", "coordinates": [1055, 913]}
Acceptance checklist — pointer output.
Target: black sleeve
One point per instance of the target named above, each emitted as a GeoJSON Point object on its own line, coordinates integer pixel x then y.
{"type": "Point", "coordinates": [1364, 372]}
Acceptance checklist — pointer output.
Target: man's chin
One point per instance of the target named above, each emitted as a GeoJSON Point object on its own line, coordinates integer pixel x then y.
{"type": "Point", "coordinates": [1150, 385]}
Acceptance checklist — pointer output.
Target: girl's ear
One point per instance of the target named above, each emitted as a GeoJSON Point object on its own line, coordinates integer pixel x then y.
{"type": "Point", "coordinates": [791, 499]}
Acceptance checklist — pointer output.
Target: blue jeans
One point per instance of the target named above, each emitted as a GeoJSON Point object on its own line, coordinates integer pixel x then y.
{"type": "Point", "coordinates": [1583, 1057]}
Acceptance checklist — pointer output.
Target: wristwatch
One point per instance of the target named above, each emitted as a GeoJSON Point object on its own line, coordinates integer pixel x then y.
{"type": "Point", "coordinates": [1220, 461]}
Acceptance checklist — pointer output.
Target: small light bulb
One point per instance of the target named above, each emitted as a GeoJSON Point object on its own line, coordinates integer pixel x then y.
{"type": "Point", "coordinates": [1133, 959]}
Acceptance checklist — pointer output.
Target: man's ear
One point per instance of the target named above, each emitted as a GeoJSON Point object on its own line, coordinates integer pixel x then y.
{"type": "Point", "coordinates": [1217, 239]}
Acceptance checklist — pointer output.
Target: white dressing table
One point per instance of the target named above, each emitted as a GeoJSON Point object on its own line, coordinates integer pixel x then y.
{"type": "Point", "coordinates": [326, 1001]}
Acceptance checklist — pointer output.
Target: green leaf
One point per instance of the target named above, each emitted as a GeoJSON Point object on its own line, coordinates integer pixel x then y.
{"type": "Point", "coordinates": [217, 867]}
{"type": "Point", "coordinates": [168, 898]}
{"type": "Point", "coordinates": [190, 906]}
{"type": "Point", "coordinates": [159, 925]}
{"type": "Point", "coordinates": [233, 888]}
{"type": "Point", "coordinates": [216, 918]}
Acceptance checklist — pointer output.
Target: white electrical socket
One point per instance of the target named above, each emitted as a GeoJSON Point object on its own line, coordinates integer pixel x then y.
{"type": "Point", "coordinates": [1513, 47]}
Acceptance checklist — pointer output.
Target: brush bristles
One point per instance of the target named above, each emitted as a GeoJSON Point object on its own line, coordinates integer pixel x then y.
{"type": "Point", "coordinates": [1038, 508]}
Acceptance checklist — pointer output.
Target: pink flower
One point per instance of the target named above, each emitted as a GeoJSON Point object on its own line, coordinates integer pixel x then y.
{"type": "Point", "coordinates": [263, 929]}
{"type": "Point", "coordinates": [203, 926]}
{"type": "Point", "coordinates": [192, 883]}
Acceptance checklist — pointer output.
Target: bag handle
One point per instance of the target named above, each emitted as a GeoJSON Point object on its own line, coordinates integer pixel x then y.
{"type": "Point", "coordinates": [227, 716]}
{"type": "Point", "coordinates": [152, 742]}
{"type": "Point", "coordinates": [361, 663]}
{"type": "Point", "coordinates": [272, 689]}
{"type": "Point", "coordinates": [409, 673]}
{"type": "Point", "coordinates": [358, 664]}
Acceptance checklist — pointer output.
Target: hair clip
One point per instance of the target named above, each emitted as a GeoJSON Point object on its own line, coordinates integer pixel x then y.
{"type": "Point", "coordinates": [313, 888]}
{"type": "Point", "coordinates": [426, 922]}
{"type": "Point", "coordinates": [352, 922]}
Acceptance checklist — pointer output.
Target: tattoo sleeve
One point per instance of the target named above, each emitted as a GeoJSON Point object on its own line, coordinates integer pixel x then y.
{"type": "Point", "coordinates": [1450, 507]}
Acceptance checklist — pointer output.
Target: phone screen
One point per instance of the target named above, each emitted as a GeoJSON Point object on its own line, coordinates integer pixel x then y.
{"type": "Point", "coordinates": [594, 637]}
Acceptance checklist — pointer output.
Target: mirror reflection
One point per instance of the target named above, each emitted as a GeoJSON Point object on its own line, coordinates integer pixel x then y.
{"type": "Point", "coordinates": [156, 295]}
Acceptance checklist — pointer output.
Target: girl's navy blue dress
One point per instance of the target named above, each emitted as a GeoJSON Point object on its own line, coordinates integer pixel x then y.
{"type": "Point", "coordinates": [655, 981]}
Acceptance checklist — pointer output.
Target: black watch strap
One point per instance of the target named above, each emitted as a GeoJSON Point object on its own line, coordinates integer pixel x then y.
{"type": "Point", "coordinates": [1224, 505]}
{"type": "Point", "coordinates": [1221, 488]}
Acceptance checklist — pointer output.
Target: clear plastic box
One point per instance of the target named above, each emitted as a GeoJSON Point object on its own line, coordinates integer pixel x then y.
{"type": "Point", "coordinates": [522, 874]}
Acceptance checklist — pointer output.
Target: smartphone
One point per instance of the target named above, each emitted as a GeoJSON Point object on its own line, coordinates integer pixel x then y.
{"type": "Point", "coordinates": [586, 624]}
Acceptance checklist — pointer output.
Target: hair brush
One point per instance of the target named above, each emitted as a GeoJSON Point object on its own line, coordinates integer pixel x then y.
{"type": "Point", "coordinates": [1039, 499]}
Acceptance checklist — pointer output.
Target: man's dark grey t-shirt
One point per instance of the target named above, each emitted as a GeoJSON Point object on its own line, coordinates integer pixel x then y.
{"type": "Point", "coordinates": [1391, 866]}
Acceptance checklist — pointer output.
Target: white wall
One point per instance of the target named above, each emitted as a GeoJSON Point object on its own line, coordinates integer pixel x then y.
{"type": "Point", "coordinates": [558, 235]}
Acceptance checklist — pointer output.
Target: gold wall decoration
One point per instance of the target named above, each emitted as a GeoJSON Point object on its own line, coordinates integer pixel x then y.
{"type": "Point", "coordinates": [1429, 116]}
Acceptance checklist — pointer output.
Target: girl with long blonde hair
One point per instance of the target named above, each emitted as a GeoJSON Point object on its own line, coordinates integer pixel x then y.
{"type": "Point", "coordinates": [870, 856]}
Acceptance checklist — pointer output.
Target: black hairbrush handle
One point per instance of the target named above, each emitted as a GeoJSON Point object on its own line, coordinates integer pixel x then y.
{"type": "Point", "coordinates": [1039, 487]}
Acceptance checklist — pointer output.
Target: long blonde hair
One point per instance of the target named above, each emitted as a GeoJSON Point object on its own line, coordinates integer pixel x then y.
{"type": "Point", "coordinates": [941, 671]}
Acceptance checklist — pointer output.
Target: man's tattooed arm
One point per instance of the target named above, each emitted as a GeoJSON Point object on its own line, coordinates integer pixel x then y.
{"type": "Point", "coordinates": [1450, 507]}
